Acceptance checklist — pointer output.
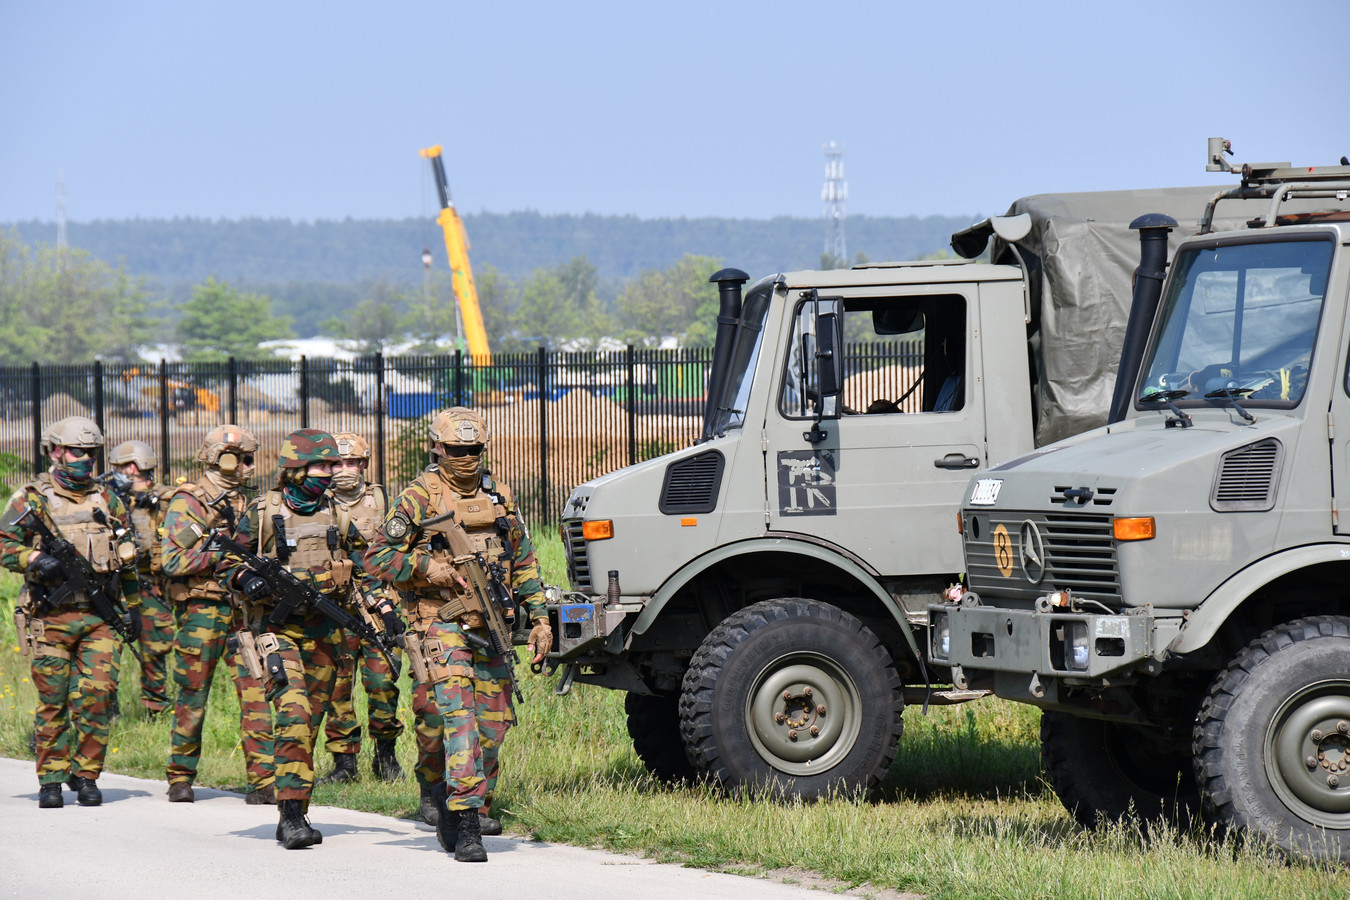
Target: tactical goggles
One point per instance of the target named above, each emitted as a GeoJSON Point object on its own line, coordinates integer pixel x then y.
{"type": "Point", "coordinates": [82, 452]}
{"type": "Point", "coordinates": [458, 451]}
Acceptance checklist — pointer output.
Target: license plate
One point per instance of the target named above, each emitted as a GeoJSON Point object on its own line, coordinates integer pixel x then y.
{"type": "Point", "coordinates": [986, 492]}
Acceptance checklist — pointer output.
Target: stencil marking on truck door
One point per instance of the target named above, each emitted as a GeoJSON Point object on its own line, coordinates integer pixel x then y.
{"type": "Point", "coordinates": [806, 482]}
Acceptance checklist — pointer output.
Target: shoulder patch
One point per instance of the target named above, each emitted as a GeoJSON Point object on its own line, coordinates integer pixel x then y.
{"type": "Point", "coordinates": [398, 526]}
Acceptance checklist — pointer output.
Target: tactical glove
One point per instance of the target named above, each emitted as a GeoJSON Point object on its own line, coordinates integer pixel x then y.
{"type": "Point", "coordinates": [541, 639]}
{"type": "Point", "coordinates": [441, 573]}
{"type": "Point", "coordinates": [252, 585]}
{"type": "Point", "coordinates": [45, 569]}
{"type": "Point", "coordinates": [132, 620]}
{"type": "Point", "coordinates": [393, 625]}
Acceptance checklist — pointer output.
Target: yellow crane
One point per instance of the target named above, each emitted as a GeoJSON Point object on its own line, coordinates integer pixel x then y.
{"type": "Point", "coordinates": [457, 249]}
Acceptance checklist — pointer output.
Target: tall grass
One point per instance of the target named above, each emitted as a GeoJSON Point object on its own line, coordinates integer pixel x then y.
{"type": "Point", "coordinates": [963, 812]}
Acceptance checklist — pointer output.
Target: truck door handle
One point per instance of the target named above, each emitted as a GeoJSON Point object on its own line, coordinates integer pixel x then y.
{"type": "Point", "coordinates": [956, 461]}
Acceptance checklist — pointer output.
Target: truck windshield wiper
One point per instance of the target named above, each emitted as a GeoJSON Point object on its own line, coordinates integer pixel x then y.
{"type": "Point", "coordinates": [1231, 393]}
{"type": "Point", "coordinates": [1167, 397]}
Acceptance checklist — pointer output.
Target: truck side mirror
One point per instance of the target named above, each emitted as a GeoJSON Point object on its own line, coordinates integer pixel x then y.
{"type": "Point", "coordinates": [830, 361]}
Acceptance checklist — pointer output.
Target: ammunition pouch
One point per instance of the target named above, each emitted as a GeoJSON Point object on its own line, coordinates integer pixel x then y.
{"type": "Point", "coordinates": [342, 572]}
{"type": "Point", "coordinates": [277, 670]}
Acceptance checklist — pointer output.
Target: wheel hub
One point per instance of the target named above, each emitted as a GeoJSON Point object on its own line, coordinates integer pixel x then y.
{"type": "Point", "coordinates": [1308, 757]}
{"type": "Point", "coordinates": [803, 714]}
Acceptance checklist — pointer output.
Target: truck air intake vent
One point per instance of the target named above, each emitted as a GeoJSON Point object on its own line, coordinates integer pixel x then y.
{"type": "Point", "coordinates": [692, 484]}
{"type": "Point", "coordinates": [1082, 496]}
{"type": "Point", "coordinates": [1248, 478]}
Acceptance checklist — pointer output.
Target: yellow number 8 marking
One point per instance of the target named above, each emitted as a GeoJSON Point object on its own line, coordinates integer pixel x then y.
{"type": "Point", "coordinates": [1003, 554]}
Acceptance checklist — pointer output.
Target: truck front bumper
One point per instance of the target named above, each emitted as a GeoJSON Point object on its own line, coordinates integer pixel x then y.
{"type": "Point", "coordinates": [1044, 642]}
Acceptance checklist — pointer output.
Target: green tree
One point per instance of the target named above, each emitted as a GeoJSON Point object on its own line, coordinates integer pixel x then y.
{"type": "Point", "coordinates": [559, 306]}
{"type": "Point", "coordinates": [220, 322]}
{"type": "Point", "coordinates": [375, 323]}
{"type": "Point", "coordinates": [678, 302]}
{"type": "Point", "coordinates": [430, 320]}
{"type": "Point", "coordinates": [63, 306]}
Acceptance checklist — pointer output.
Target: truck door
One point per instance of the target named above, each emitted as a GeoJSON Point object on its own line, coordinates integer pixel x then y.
{"type": "Point", "coordinates": [885, 479]}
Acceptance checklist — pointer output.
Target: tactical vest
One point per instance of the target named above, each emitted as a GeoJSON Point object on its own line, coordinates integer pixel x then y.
{"type": "Point", "coordinates": [203, 584]}
{"type": "Point", "coordinates": [367, 513]}
{"type": "Point", "coordinates": [477, 515]}
{"type": "Point", "coordinates": [148, 538]}
{"type": "Point", "coordinates": [73, 516]}
{"type": "Point", "coordinates": [307, 537]}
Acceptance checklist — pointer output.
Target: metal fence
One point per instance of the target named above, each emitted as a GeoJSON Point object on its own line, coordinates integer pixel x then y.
{"type": "Point", "coordinates": [557, 419]}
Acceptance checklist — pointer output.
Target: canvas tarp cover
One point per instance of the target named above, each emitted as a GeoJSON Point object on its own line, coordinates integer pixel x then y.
{"type": "Point", "coordinates": [1082, 255]}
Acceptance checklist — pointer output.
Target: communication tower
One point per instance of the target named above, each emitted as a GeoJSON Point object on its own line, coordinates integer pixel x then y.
{"type": "Point", "coordinates": [833, 195]}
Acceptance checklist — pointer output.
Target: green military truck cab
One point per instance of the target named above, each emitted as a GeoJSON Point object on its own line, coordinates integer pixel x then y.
{"type": "Point", "coordinates": [763, 595]}
{"type": "Point", "coordinates": [1171, 588]}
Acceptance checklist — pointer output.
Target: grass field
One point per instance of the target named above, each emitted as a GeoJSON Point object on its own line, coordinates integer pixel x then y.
{"type": "Point", "coordinates": [963, 812]}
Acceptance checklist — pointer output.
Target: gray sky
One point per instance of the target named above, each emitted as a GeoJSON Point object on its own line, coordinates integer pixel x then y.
{"type": "Point", "coordinates": [316, 110]}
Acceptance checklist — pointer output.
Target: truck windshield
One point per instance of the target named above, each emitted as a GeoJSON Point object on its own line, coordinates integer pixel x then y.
{"type": "Point", "coordinates": [1239, 320]}
{"type": "Point", "coordinates": [730, 411]}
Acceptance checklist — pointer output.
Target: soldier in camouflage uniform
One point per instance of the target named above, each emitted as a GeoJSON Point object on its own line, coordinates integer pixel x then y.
{"type": "Point", "coordinates": [365, 504]}
{"type": "Point", "coordinates": [206, 614]}
{"type": "Point", "coordinates": [72, 648]}
{"type": "Point", "coordinates": [133, 479]}
{"type": "Point", "coordinates": [299, 523]}
{"type": "Point", "coordinates": [471, 687]}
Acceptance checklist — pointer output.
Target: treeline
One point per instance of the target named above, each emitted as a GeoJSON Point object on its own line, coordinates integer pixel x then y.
{"type": "Point", "coordinates": [278, 251]}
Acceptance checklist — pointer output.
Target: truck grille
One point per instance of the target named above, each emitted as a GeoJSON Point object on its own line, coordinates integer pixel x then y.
{"type": "Point", "coordinates": [1076, 552]}
{"type": "Point", "coordinates": [578, 565]}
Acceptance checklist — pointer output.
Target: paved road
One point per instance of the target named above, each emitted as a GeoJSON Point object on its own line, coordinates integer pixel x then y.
{"type": "Point", "coordinates": [138, 845]}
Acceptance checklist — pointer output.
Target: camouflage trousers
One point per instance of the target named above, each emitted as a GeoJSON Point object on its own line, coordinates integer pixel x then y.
{"type": "Point", "coordinates": [204, 626]}
{"type": "Point", "coordinates": [429, 731]}
{"type": "Point", "coordinates": [342, 731]}
{"type": "Point", "coordinates": [475, 703]}
{"type": "Point", "coordinates": [158, 627]}
{"type": "Point", "coordinates": [72, 671]}
{"type": "Point", "coordinates": [309, 655]}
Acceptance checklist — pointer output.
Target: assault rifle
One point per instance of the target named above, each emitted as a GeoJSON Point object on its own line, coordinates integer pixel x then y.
{"type": "Point", "coordinates": [481, 592]}
{"type": "Point", "coordinates": [104, 591]}
{"type": "Point", "coordinates": [293, 595]}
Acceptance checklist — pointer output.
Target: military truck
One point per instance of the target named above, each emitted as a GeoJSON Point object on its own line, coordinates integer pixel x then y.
{"type": "Point", "coordinates": [763, 595]}
{"type": "Point", "coordinates": [1170, 588]}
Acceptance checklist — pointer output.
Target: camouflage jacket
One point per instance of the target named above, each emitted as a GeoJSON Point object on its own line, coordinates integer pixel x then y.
{"type": "Point", "coordinates": [399, 553]}
{"type": "Point", "coordinates": [17, 543]}
{"type": "Point", "coordinates": [195, 509]}
{"type": "Point", "coordinates": [312, 563]}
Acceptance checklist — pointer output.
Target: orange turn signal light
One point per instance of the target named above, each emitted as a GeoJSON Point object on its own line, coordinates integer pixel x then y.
{"type": "Point", "coordinates": [960, 524]}
{"type": "Point", "coordinates": [1140, 529]}
{"type": "Point", "coordinates": [599, 530]}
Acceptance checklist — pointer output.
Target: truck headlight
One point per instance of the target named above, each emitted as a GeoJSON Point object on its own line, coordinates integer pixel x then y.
{"type": "Point", "coordinates": [942, 636]}
{"type": "Point", "coordinates": [1080, 650]}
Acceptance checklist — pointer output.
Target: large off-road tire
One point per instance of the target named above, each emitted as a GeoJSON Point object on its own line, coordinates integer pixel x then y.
{"type": "Point", "coordinates": [792, 697]}
{"type": "Point", "coordinates": [1108, 771]}
{"type": "Point", "coordinates": [654, 726]}
{"type": "Point", "coordinates": [1282, 703]}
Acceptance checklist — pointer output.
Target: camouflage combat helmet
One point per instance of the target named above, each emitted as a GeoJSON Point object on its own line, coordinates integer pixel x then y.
{"type": "Point", "coordinates": [306, 446]}
{"type": "Point", "coordinates": [226, 439]}
{"type": "Point", "coordinates": [351, 445]}
{"type": "Point", "coordinates": [138, 452]}
{"type": "Point", "coordinates": [72, 431]}
{"type": "Point", "coordinates": [459, 426]}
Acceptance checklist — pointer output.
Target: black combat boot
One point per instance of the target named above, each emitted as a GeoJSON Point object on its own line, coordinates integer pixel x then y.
{"type": "Point", "coordinates": [49, 796]}
{"type": "Point", "coordinates": [447, 822]}
{"type": "Point", "coordinates": [72, 782]}
{"type": "Point", "coordinates": [385, 766]}
{"type": "Point", "coordinates": [89, 794]}
{"type": "Point", "coordinates": [293, 830]}
{"type": "Point", "coordinates": [344, 769]}
{"type": "Point", "coordinates": [181, 792]}
{"type": "Point", "coordinates": [427, 810]}
{"type": "Point", "coordinates": [487, 825]}
{"type": "Point", "coordinates": [469, 847]}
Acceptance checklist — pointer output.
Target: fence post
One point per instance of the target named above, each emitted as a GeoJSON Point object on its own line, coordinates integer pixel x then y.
{"type": "Point", "coordinates": [543, 434]}
{"type": "Point", "coordinates": [380, 411]}
{"type": "Point", "coordinates": [459, 377]}
{"type": "Point", "coordinates": [632, 407]}
{"type": "Point", "coordinates": [98, 412]}
{"type": "Point", "coordinates": [164, 458]}
{"type": "Point", "coordinates": [304, 393]}
{"type": "Point", "coordinates": [234, 391]}
{"type": "Point", "coordinates": [36, 386]}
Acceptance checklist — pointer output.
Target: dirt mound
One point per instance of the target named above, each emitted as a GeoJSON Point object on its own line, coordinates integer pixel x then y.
{"type": "Point", "coordinates": [58, 406]}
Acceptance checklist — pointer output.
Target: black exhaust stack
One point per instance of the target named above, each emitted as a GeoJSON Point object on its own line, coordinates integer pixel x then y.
{"type": "Point", "coordinates": [728, 283]}
{"type": "Point", "coordinates": [1148, 280]}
